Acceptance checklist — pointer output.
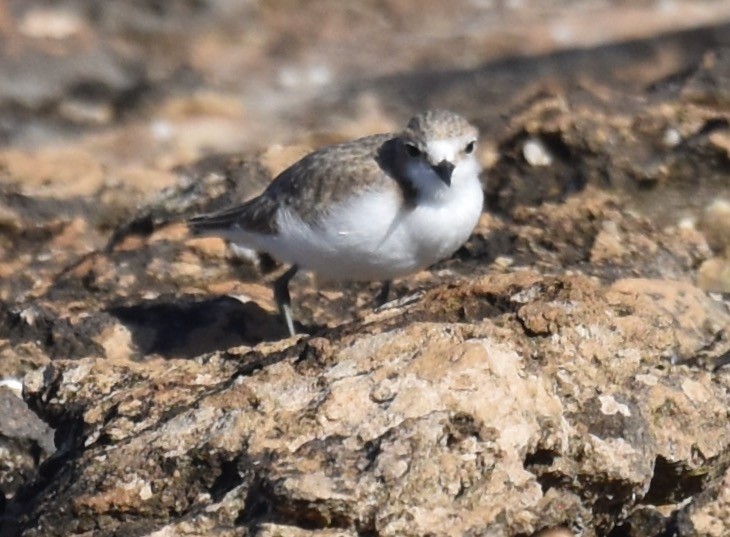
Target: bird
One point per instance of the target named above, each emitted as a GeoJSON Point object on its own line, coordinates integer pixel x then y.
{"type": "Point", "coordinates": [372, 209]}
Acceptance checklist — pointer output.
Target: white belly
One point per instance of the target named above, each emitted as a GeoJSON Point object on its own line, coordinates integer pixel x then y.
{"type": "Point", "coordinates": [372, 238]}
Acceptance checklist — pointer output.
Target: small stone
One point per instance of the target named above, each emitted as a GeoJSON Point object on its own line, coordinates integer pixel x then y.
{"type": "Point", "coordinates": [504, 262]}
{"type": "Point", "coordinates": [715, 224]}
{"type": "Point", "coordinates": [30, 315]}
{"type": "Point", "coordinates": [536, 154]}
{"type": "Point", "coordinates": [13, 384]}
{"type": "Point", "coordinates": [671, 137]}
{"type": "Point", "coordinates": [714, 275]}
{"type": "Point", "coordinates": [145, 493]}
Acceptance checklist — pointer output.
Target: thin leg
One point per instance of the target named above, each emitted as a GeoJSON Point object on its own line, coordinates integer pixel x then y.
{"type": "Point", "coordinates": [382, 297]}
{"type": "Point", "coordinates": [282, 298]}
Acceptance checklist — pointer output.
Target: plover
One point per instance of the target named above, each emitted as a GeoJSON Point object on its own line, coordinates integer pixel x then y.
{"type": "Point", "coordinates": [372, 209]}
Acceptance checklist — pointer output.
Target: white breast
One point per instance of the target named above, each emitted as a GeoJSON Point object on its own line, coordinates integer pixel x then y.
{"type": "Point", "coordinates": [373, 237]}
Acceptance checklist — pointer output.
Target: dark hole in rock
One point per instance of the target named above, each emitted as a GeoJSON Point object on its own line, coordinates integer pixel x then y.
{"type": "Point", "coordinates": [228, 479]}
{"type": "Point", "coordinates": [647, 521]}
{"type": "Point", "coordinates": [257, 506]}
{"type": "Point", "coordinates": [672, 483]}
{"type": "Point", "coordinates": [539, 457]}
{"type": "Point", "coordinates": [538, 462]}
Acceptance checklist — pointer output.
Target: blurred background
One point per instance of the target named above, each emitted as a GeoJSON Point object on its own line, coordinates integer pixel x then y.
{"type": "Point", "coordinates": [150, 83]}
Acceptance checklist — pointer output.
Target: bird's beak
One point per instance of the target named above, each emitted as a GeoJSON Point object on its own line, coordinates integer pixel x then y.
{"type": "Point", "coordinates": [444, 169]}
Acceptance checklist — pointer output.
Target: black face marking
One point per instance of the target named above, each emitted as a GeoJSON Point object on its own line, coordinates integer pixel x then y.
{"type": "Point", "coordinates": [469, 147]}
{"type": "Point", "coordinates": [387, 159]}
{"type": "Point", "coordinates": [413, 151]}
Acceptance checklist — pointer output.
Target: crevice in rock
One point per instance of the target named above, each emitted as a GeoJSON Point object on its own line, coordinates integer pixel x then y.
{"type": "Point", "coordinates": [673, 482]}
{"type": "Point", "coordinates": [264, 505]}
{"type": "Point", "coordinates": [712, 355]}
{"type": "Point", "coordinates": [647, 522]}
{"type": "Point", "coordinates": [253, 361]}
{"type": "Point", "coordinates": [371, 450]}
{"type": "Point", "coordinates": [606, 498]}
{"type": "Point", "coordinates": [50, 474]}
{"type": "Point", "coordinates": [529, 332]}
{"type": "Point", "coordinates": [306, 516]}
{"type": "Point", "coordinates": [539, 457]}
{"type": "Point", "coordinates": [228, 479]}
{"type": "Point", "coordinates": [257, 505]}
{"type": "Point", "coordinates": [537, 462]}
{"type": "Point", "coordinates": [546, 530]}
{"type": "Point", "coordinates": [461, 426]}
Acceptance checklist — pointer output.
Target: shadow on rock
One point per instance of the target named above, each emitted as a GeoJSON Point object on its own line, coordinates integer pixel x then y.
{"type": "Point", "coordinates": [187, 328]}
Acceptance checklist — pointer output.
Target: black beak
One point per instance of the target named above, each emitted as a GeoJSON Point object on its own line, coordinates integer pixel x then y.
{"type": "Point", "coordinates": [444, 169]}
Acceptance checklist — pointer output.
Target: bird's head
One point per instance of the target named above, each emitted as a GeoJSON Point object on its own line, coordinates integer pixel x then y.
{"type": "Point", "coordinates": [439, 144]}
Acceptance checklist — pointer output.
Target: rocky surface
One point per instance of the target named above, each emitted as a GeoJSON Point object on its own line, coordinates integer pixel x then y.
{"type": "Point", "coordinates": [565, 373]}
{"type": "Point", "coordinates": [506, 404]}
{"type": "Point", "coordinates": [25, 441]}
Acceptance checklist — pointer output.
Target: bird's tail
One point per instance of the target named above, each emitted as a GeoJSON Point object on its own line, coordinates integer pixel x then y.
{"type": "Point", "coordinates": [255, 215]}
{"type": "Point", "coordinates": [211, 222]}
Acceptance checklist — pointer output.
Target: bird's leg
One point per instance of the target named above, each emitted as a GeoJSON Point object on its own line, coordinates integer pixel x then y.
{"type": "Point", "coordinates": [282, 298]}
{"type": "Point", "coordinates": [382, 296]}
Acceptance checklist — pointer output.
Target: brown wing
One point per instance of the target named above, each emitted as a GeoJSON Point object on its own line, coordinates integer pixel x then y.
{"type": "Point", "coordinates": [309, 186]}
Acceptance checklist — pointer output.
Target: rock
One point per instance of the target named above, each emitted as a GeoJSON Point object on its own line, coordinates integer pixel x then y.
{"type": "Point", "coordinates": [536, 154]}
{"type": "Point", "coordinates": [710, 513]}
{"type": "Point", "coordinates": [715, 224]}
{"type": "Point", "coordinates": [709, 83]}
{"type": "Point", "coordinates": [516, 401]}
{"type": "Point", "coordinates": [714, 275]}
{"type": "Point", "coordinates": [25, 443]}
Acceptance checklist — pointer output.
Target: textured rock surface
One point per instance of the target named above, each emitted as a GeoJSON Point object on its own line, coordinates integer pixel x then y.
{"type": "Point", "coordinates": [503, 405]}
{"type": "Point", "coordinates": [565, 373]}
{"type": "Point", "coordinates": [25, 442]}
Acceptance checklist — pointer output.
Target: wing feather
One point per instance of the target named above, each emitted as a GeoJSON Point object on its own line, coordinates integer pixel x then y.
{"type": "Point", "coordinates": [308, 187]}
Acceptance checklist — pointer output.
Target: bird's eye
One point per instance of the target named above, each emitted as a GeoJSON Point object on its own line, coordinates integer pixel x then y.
{"type": "Point", "coordinates": [469, 147]}
{"type": "Point", "coordinates": [413, 151]}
